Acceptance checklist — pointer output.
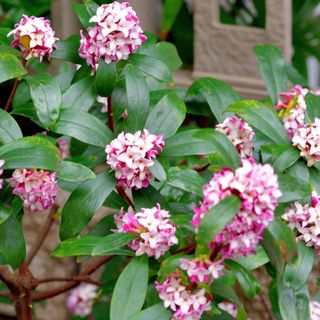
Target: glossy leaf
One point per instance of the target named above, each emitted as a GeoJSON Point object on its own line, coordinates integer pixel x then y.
{"type": "Point", "coordinates": [214, 221]}
{"type": "Point", "coordinates": [137, 93]}
{"type": "Point", "coordinates": [30, 152]}
{"type": "Point", "coordinates": [158, 171]}
{"type": "Point", "coordinates": [148, 198]}
{"type": "Point", "coordinates": [10, 67]}
{"type": "Point", "coordinates": [167, 116]}
{"type": "Point", "coordinates": [71, 171]}
{"type": "Point", "coordinates": [67, 50]}
{"type": "Point", "coordinates": [105, 78]}
{"type": "Point", "coordinates": [171, 10]}
{"type": "Point", "coordinates": [254, 261]}
{"type": "Point", "coordinates": [5, 213]}
{"type": "Point", "coordinates": [261, 118]}
{"type": "Point", "coordinates": [9, 129]}
{"type": "Point", "coordinates": [84, 127]}
{"type": "Point", "coordinates": [303, 303]}
{"type": "Point", "coordinates": [272, 67]}
{"type": "Point", "coordinates": [287, 301]}
{"type": "Point", "coordinates": [202, 142]}
{"type": "Point", "coordinates": [130, 290]}
{"type": "Point", "coordinates": [46, 97]}
{"type": "Point", "coordinates": [84, 202]}
{"type": "Point", "coordinates": [169, 265]}
{"type": "Point", "coordinates": [313, 107]}
{"type": "Point", "coordinates": [216, 93]}
{"type": "Point", "coordinates": [155, 312]}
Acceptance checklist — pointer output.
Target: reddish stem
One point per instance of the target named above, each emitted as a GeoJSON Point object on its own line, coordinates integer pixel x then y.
{"type": "Point", "coordinates": [79, 279]}
{"type": "Point", "coordinates": [123, 194]}
{"type": "Point", "coordinates": [110, 114]}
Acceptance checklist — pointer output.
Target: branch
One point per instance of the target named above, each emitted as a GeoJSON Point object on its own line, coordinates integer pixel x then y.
{"type": "Point", "coordinates": [4, 294]}
{"type": "Point", "coordinates": [76, 278]}
{"type": "Point", "coordinates": [45, 230]}
{"type": "Point", "coordinates": [110, 114]}
{"type": "Point", "coordinates": [93, 266]}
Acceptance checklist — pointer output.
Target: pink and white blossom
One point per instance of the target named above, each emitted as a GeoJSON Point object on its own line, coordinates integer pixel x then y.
{"type": "Point", "coordinates": [37, 189]}
{"type": "Point", "coordinates": [131, 156]}
{"type": "Point", "coordinates": [239, 133]}
{"type": "Point", "coordinates": [115, 35]}
{"type": "Point", "coordinates": [34, 36]}
{"type": "Point", "coordinates": [187, 304]}
{"type": "Point", "coordinates": [1, 172]}
{"type": "Point", "coordinates": [314, 310]}
{"type": "Point", "coordinates": [229, 307]}
{"type": "Point", "coordinates": [81, 299]}
{"type": "Point", "coordinates": [307, 140]}
{"type": "Point", "coordinates": [257, 187]}
{"type": "Point", "coordinates": [156, 232]}
{"type": "Point", "coordinates": [306, 220]}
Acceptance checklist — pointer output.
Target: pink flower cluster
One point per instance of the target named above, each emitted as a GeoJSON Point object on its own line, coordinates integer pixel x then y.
{"type": "Point", "coordinates": [34, 36]}
{"type": "Point", "coordinates": [293, 108]}
{"type": "Point", "coordinates": [307, 139]}
{"type": "Point", "coordinates": [257, 187]}
{"type": "Point", "coordinates": [202, 270]}
{"type": "Point", "coordinates": [81, 299]}
{"type": "Point", "coordinates": [314, 310]}
{"type": "Point", "coordinates": [156, 232]}
{"type": "Point", "coordinates": [115, 35]}
{"type": "Point", "coordinates": [186, 303]}
{"type": "Point", "coordinates": [130, 155]}
{"type": "Point", "coordinates": [239, 133]}
{"type": "Point", "coordinates": [1, 172]}
{"type": "Point", "coordinates": [306, 220]}
{"type": "Point", "coordinates": [37, 189]}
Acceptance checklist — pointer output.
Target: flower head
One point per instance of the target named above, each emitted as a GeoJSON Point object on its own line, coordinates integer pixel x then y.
{"type": "Point", "coordinates": [115, 35]}
{"type": "Point", "coordinates": [306, 220]}
{"type": "Point", "coordinates": [156, 232]}
{"type": "Point", "coordinates": [81, 299]}
{"type": "Point", "coordinates": [257, 187]}
{"type": "Point", "coordinates": [1, 172]}
{"type": "Point", "coordinates": [37, 189]}
{"type": "Point", "coordinates": [34, 36]}
{"type": "Point", "coordinates": [307, 139]}
{"type": "Point", "coordinates": [239, 133]}
{"type": "Point", "coordinates": [130, 155]}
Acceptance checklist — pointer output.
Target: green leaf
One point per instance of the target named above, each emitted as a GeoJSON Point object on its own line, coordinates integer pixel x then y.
{"type": "Point", "coordinates": [5, 213]}
{"type": "Point", "coordinates": [158, 171]}
{"type": "Point", "coordinates": [223, 291]}
{"type": "Point", "coordinates": [303, 303]}
{"type": "Point", "coordinates": [130, 290]}
{"type": "Point", "coordinates": [30, 152]}
{"type": "Point", "coordinates": [216, 93]}
{"type": "Point", "coordinates": [254, 261]}
{"type": "Point", "coordinates": [167, 116]}
{"type": "Point", "coordinates": [287, 301]}
{"type": "Point", "coordinates": [67, 50]}
{"type": "Point", "coordinates": [10, 67]}
{"type": "Point", "coordinates": [156, 312]}
{"type": "Point", "coordinates": [106, 78]}
{"type": "Point", "coordinates": [296, 275]}
{"type": "Point", "coordinates": [171, 9]}
{"type": "Point", "coordinates": [9, 129]}
{"type": "Point", "coordinates": [214, 221]}
{"type": "Point", "coordinates": [247, 281]}
{"type": "Point", "coordinates": [148, 198]}
{"type": "Point", "coordinates": [137, 93]}
{"type": "Point", "coordinates": [152, 66]}
{"type": "Point", "coordinates": [84, 202]}
{"type": "Point", "coordinates": [186, 179]}
{"type": "Point", "coordinates": [84, 127]}
{"type": "Point", "coordinates": [293, 188]}
{"type": "Point", "coordinates": [313, 107]}
{"type": "Point", "coordinates": [315, 179]}
{"type": "Point", "coordinates": [12, 244]}
{"type": "Point", "coordinates": [46, 96]}
{"type": "Point", "coordinates": [262, 118]}
{"type": "Point", "coordinates": [83, 14]}
{"type": "Point", "coordinates": [71, 171]}
{"type": "Point", "coordinates": [280, 244]}
{"type": "Point", "coordinates": [81, 95]}
{"type": "Point", "coordinates": [94, 246]}
{"type": "Point", "coordinates": [112, 242]}
{"type": "Point", "coordinates": [202, 142]}
{"type": "Point", "coordinates": [169, 265]}
{"type": "Point", "coordinates": [272, 67]}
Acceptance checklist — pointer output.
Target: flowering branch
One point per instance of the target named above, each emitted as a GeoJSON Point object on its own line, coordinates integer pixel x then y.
{"type": "Point", "coordinates": [42, 235]}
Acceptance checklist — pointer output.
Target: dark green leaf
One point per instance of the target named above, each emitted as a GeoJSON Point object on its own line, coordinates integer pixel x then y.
{"type": "Point", "coordinates": [46, 97]}
{"type": "Point", "coordinates": [10, 67]}
{"type": "Point", "coordinates": [71, 171]}
{"type": "Point", "coordinates": [84, 202]}
{"type": "Point", "coordinates": [262, 118]}
{"type": "Point", "coordinates": [200, 142]}
{"type": "Point", "coordinates": [148, 198]}
{"type": "Point", "coordinates": [5, 213]}
{"type": "Point", "coordinates": [83, 14]}
{"type": "Point", "coordinates": [287, 301]}
{"type": "Point", "coordinates": [171, 10]}
{"type": "Point", "coordinates": [272, 67]}
{"type": "Point", "coordinates": [167, 116]}
{"type": "Point", "coordinates": [130, 290]}
{"type": "Point", "coordinates": [214, 221]}
{"type": "Point", "coordinates": [68, 50]}
{"type": "Point", "coordinates": [84, 127]}
{"type": "Point", "coordinates": [315, 179]}
{"type": "Point", "coordinates": [156, 312]}
{"type": "Point", "coordinates": [30, 152]}
{"type": "Point", "coordinates": [170, 265]}
{"type": "Point", "coordinates": [9, 129]}
{"type": "Point", "coordinates": [303, 303]}
{"type": "Point", "coordinates": [157, 171]}
{"type": "Point", "coordinates": [313, 107]}
{"type": "Point", "coordinates": [106, 78]}
{"type": "Point", "coordinates": [254, 261]}
{"type": "Point", "coordinates": [138, 98]}
{"type": "Point", "coordinates": [223, 291]}
{"type": "Point", "coordinates": [216, 93]}
{"type": "Point", "coordinates": [81, 95]}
